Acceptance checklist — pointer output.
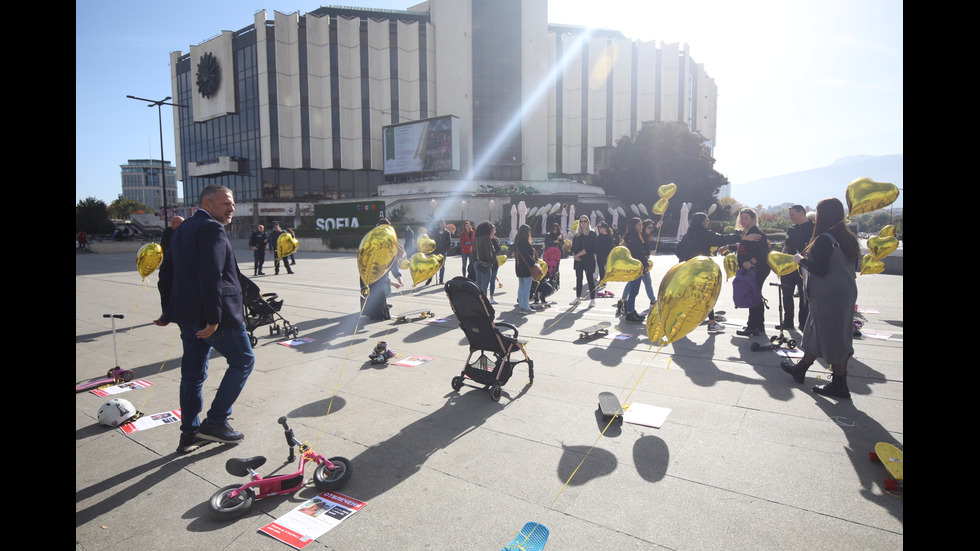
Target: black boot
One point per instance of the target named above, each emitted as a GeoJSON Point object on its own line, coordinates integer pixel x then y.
{"type": "Point", "coordinates": [836, 388]}
{"type": "Point", "coordinates": [798, 371]}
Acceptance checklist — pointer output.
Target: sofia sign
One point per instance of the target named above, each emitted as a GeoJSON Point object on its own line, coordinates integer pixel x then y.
{"type": "Point", "coordinates": [348, 215]}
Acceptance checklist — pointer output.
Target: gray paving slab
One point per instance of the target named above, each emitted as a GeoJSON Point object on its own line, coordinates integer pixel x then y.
{"type": "Point", "coordinates": [747, 459]}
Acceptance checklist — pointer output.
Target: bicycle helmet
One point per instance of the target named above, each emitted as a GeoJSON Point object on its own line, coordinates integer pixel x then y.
{"type": "Point", "coordinates": [116, 412]}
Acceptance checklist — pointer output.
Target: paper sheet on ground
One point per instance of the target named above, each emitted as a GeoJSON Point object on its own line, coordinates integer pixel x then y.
{"type": "Point", "coordinates": [150, 421]}
{"type": "Point", "coordinates": [295, 342]}
{"type": "Point", "coordinates": [122, 387]}
{"type": "Point", "coordinates": [648, 416]}
{"type": "Point", "coordinates": [312, 519]}
{"type": "Point", "coordinates": [413, 361]}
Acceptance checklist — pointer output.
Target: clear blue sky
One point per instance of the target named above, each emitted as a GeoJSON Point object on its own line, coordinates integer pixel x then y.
{"type": "Point", "coordinates": [801, 83]}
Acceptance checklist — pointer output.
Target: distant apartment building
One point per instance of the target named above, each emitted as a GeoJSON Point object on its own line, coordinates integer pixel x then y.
{"type": "Point", "coordinates": [301, 106]}
{"type": "Point", "coordinates": [141, 181]}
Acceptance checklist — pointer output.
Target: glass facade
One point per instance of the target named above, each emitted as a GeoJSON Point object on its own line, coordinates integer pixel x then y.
{"type": "Point", "coordinates": [497, 89]}
{"type": "Point", "coordinates": [141, 182]}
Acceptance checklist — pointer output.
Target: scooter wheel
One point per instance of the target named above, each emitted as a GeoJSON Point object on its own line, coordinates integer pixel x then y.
{"type": "Point", "coordinates": [791, 343]}
{"type": "Point", "coordinates": [127, 375]}
{"type": "Point", "coordinates": [325, 479]}
{"type": "Point", "coordinates": [775, 339]}
{"type": "Point", "coordinates": [228, 508]}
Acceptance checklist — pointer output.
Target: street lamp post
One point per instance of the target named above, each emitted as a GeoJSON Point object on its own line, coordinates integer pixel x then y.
{"type": "Point", "coordinates": [163, 169]}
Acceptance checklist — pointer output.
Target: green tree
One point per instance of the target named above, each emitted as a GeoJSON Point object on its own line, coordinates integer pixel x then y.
{"type": "Point", "coordinates": [91, 216]}
{"type": "Point", "coordinates": [121, 208]}
{"type": "Point", "coordinates": [660, 154]}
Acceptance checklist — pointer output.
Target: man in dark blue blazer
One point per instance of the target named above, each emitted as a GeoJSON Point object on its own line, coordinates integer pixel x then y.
{"type": "Point", "coordinates": [204, 299]}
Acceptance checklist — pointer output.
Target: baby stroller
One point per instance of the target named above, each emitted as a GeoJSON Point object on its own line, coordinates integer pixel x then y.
{"type": "Point", "coordinates": [551, 257]}
{"type": "Point", "coordinates": [475, 316]}
{"type": "Point", "coordinates": [263, 309]}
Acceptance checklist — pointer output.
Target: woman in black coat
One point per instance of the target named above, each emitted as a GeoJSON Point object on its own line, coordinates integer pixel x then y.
{"type": "Point", "coordinates": [583, 250]}
{"type": "Point", "coordinates": [753, 254]}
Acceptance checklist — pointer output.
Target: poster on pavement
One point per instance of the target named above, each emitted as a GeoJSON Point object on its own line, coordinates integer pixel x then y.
{"type": "Point", "coordinates": [312, 519]}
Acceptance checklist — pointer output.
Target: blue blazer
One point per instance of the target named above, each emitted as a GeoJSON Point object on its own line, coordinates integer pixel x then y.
{"type": "Point", "coordinates": [200, 276]}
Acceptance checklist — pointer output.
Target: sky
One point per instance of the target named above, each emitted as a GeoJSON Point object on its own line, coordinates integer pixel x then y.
{"type": "Point", "coordinates": [801, 83]}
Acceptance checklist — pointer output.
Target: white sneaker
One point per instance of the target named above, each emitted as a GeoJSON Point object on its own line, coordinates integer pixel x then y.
{"type": "Point", "coordinates": [492, 301]}
{"type": "Point", "coordinates": [713, 326]}
{"type": "Point", "coordinates": [574, 302]}
{"type": "Point", "coordinates": [592, 304]}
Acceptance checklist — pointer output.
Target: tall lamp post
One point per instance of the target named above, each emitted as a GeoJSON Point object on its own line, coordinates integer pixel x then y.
{"type": "Point", "coordinates": [163, 169]}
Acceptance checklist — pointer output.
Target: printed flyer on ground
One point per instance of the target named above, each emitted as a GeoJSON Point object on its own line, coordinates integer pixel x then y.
{"type": "Point", "coordinates": [312, 519]}
{"type": "Point", "coordinates": [150, 421]}
{"type": "Point", "coordinates": [122, 387]}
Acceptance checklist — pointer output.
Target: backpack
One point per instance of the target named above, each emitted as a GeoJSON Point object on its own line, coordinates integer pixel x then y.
{"type": "Point", "coordinates": [745, 291]}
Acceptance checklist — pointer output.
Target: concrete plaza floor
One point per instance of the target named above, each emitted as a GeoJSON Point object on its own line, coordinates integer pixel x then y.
{"type": "Point", "coordinates": [746, 459]}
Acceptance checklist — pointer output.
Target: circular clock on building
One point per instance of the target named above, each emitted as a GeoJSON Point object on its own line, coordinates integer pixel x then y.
{"type": "Point", "coordinates": [208, 75]}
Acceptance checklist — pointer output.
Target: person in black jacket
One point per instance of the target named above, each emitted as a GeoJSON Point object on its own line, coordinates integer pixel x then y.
{"type": "Point", "coordinates": [797, 238]}
{"type": "Point", "coordinates": [583, 250]}
{"type": "Point", "coordinates": [698, 242]}
{"type": "Point", "coordinates": [444, 242]}
{"type": "Point", "coordinates": [753, 254]}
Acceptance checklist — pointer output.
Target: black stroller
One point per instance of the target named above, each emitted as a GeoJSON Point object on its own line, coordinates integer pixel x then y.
{"type": "Point", "coordinates": [475, 316]}
{"type": "Point", "coordinates": [263, 309]}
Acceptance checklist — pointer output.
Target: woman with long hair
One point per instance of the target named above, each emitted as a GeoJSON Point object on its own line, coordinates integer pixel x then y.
{"type": "Point", "coordinates": [583, 250]}
{"type": "Point", "coordinates": [604, 243]}
{"type": "Point", "coordinates": [831, 290]}
{"type": "Point", "coordinates": [495, 245]}
{"type": "Point", "coordinates": [753, 254]}
{"type": "Point", "coordinates": [483, 257]}
{"type": "Point", "coordinates": [638, 250]}
{"type": "Point", "coordinates": [554, 237]}
{"type": "Point", "coordinates": [524, 255]}
{"type": "Point", "coordinates": [466, 236]}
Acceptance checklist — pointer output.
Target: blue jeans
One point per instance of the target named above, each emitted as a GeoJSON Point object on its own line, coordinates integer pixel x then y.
{"type": "Point", "coordinates": [524, 292]}
{"type": "Point", "coordinates": [234, 345]}
{"type": "Point", "coordinates": [632, 289]}
{"type": "Point", "coordinates": [466, 256]}
{"type": "Point", "coordinates": [493, 278]}
{"type": "Point", "coordinates": [483, 281]}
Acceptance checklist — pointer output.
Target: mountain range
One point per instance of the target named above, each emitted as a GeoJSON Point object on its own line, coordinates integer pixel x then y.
{"type": "Point", "coordinates": [807, 187]}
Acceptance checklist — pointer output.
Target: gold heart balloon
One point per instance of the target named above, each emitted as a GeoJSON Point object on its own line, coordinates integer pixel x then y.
{"type": "Point", "coordinates": [621, 266]}
{"type": "Point", "coordinates": [426, 244]}
{"type": "Point", "coordinates": [782, 263]}
{"type": "Point", "coordinates": [544, 270]}
{"type": "Point", "coordinates": [148, 259]}
{"type": "Point", "coordinates": [501, 258]}
{"type": "Point", "coordinates": [871, 266]}
{"type": "Point", "coordinates": [667, 190]}
{"type": "Point", "coordinates": [404, 264]}
{"type": "Point", "coordinates": [286, 244]}
{"type": "Point", "coordinates": [881, 247]}
{"type": "Point", "coordinates": [731, 265]}
{"type": "Point", "coordinates": [575, 226]}
{"type": "Point", "coordinates": [654, 330]}
{"type": "Point", "coordinates": [660, 206]}
{"type": "Point", "coordinates": [423, 266]}
{"type": "Point", "coordinates": [887, 231]}
{"type": "Point", "coordinates": [687, 294]}
{"type": "Point", "coordinates": [865, 195]}
{"type": "Point", "coordinates": [376, 254]}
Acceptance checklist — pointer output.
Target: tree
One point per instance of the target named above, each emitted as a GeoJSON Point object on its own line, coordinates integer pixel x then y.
{"type": "Point", "coordinates": [91, 216]}
{"type": "Point", "coordinates": [659, 154]}
{"type": "Point", "coordinates": [121, 208]}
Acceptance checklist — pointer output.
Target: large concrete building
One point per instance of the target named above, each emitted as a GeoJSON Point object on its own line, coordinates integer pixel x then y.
{"type": "Point", "coordinates": [294, 107]}
{"type": "Point", "coordinates": [141, 182]}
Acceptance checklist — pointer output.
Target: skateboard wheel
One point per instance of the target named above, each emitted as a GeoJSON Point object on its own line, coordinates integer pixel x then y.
{"type": "Point", "coordinates": [891, 484]}
{"type": "Point", "coordinates": [872, 456]}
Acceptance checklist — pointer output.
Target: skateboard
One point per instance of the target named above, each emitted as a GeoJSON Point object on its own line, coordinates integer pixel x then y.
{"type": "Point", "coordinates": [893, 460]}
{"type": "Point", "coordinates": [604, 294]}
{"type": "Point", "coordinates": [596, 329]}
{"type": "Point", "coordinates": [115, 375]}
{"type": "Point", "coordinates": [531, 538]}
{"type": "Point", "coordinates": [414, 315]}
{"type": "Point", "coordinates": [609, 406]}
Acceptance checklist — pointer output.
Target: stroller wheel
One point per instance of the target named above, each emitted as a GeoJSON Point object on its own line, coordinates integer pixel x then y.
{"type": "Point", "coordinates": [457, 383]}
{"type": "Point", "coordinates": [495, 393]}
{"type": "Point", "coordinates": [253, 340]}
{"type": "Point", "coordinates": [272, 330]}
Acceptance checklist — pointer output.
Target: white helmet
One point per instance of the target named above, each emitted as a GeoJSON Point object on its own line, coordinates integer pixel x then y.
{"type": "Point", "coordinates": [116, 412]}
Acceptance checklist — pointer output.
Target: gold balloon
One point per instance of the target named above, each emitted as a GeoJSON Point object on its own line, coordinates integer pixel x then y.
{"type": "Point", "coordinates": [887, 231]}
{"type": "Point", "coordinates": [575, 226]}
{"type": "Point", "coordinates": [621, 266]}
{"type": "Point", "coordinates": [865, 195]}
{"type": "Point", "coordinates": [426, 244]}
{"type": "Point", "coordinates": [871, 266]}
{"type": "Point", "coordinates": [544, 270]}
{"type": "Point", "coordinates": [782, 263]}
{"type": "Point", "coordinates": [731, 265]}
{"type": "Point", "coordinates": [654, 330]}
{"type": "Point", "coordinates": [881, 247]}
{"type": "Point", "coordinates": [404, 264]}
{"type": "Point", "coordinates": [423, 266]}
{"type": "Point", "coordinates": [667, 191]}
{"type": "Point", "coordinates": [660, 206]}
{"type": "Point", "coordinates": [286, 244]}
{"type": "Point", "coordinates": [501, 258]}
{"type": "Point", "coordinates": [149, 258]}
{"type": "Point", "coordinates": [376, 254]}
{"type": "Point", "coordinates": [687, 294]}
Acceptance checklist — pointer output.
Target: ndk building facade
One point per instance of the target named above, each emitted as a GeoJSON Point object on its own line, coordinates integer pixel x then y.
{"type": "Point", "coordinates": [294, 107]}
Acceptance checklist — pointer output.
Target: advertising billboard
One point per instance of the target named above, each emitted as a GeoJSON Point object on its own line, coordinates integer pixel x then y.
{"type": "Point", "coordinates": [337, 216]}
{"type": "Point", "coordinates": [422, 146]}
